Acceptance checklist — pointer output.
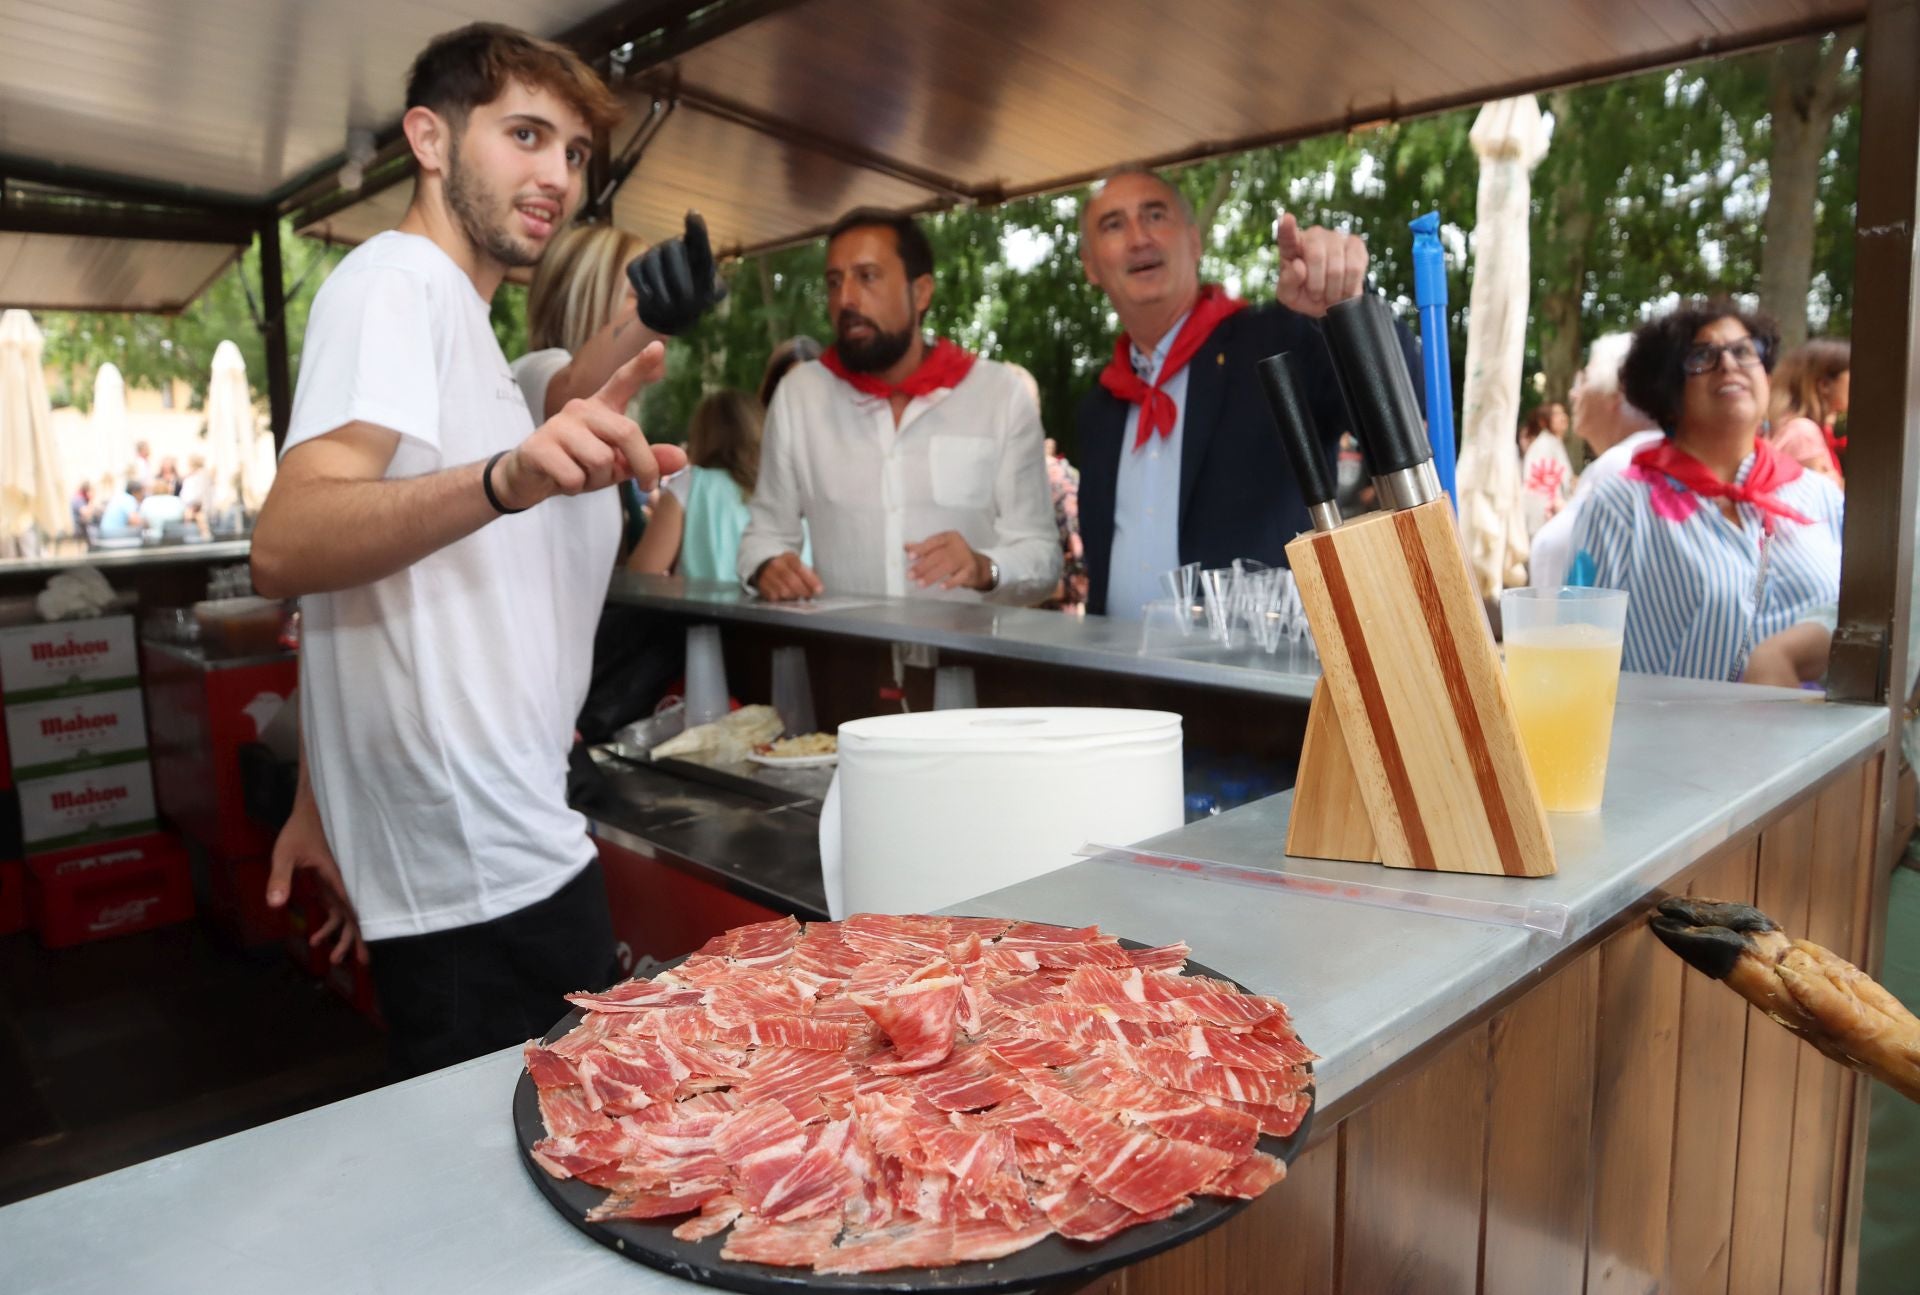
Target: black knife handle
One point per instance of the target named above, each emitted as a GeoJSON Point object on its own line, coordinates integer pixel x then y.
{"type": "Point", "coordinates": [1298, 433]}
{"type": "Point", "coordinates": [1374, 379]}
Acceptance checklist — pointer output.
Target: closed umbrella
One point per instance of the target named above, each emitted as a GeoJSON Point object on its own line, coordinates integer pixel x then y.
{"type": "Point", "coordinates": [1510, 138]}
{"type": "Point", "coordinates": [31, 496]}
{"type": "Point", "coordinates": [111, 450]}
{"type": "Point", "coordinates": [230, 429]}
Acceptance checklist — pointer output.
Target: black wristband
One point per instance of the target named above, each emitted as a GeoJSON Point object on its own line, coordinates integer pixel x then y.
{"type": "Point", "coordinates": [486, 484]}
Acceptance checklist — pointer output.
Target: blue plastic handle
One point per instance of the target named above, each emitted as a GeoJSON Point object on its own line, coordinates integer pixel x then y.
{"type": "Point", "coordinates": [1430, 295]}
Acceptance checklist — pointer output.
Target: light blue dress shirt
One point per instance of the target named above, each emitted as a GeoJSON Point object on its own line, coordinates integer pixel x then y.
{"type": "Point", "coordinates": [1146, 496]}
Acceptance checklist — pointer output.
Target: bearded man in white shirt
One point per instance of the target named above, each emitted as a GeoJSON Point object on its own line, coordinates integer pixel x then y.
{"type": "Point", "coordinates": [916, 466]}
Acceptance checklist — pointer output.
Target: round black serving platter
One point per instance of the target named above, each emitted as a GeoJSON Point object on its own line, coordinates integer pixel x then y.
{"type": "Point", "coordinates": [1053, 1260]}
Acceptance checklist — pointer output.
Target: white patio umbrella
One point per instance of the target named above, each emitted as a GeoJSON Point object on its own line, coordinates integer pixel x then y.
{"type": "Point", "coordinates": [230, 429]}
{"type": "Point", "coordinates": [31, 493]}
{"type": "Point", "coordinates": [111, 450]}
{"type": "Point", "coordinates": [1510, 138]}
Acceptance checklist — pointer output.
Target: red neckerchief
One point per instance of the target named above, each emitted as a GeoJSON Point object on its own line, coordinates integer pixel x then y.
{"type": "Point", "coordinates": [1157, 411]}
{"type": "Point", "coordinates": [943, 366]}
{"type": "Point", "coordinates": [1836, 445]}
{"type": "Point", "coordinates": [1771, 470]}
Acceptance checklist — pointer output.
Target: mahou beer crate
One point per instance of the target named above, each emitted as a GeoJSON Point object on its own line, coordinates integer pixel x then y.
{"type": "Point", "coordinates": [66, 658]}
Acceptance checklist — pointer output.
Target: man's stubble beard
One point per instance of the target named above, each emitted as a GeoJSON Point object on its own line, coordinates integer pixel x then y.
{"type": "Point", "coordinates": [470, 200]}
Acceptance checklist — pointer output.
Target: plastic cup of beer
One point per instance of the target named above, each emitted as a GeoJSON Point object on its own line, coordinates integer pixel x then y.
{"type": "Point", "coordinates": [1563, 671]}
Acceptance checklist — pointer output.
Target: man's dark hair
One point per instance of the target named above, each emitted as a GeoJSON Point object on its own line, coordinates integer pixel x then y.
{"type": "Point", "coordinates": [916, 253]}
{"type": "Point", "coordinates": [465, 69]}
{"type": "Point", "coordinates": [1651, 376]}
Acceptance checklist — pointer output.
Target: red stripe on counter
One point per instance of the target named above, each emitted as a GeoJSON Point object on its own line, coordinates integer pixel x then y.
{"type": "Point", "coordinates": [1465, 713]}
{"type": "Point", "coordinates": [1368, 681]}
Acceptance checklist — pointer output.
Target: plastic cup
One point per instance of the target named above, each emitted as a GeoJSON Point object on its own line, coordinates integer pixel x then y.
{"type": "Point", "coordinates": [1563, 671]}
{"type": "Point", "coordinates": [953, 688]}
{"type": "Point", "coordinates": [1182, 582]}
{"type": "Point", "coordinates": [793, 690]}
{"type": "Point", "coordinates": [706, 676]}
{"type": "Point", "coordinates": [1222, 589]}
{"type": "Point", "coordinates": [1166, 624]}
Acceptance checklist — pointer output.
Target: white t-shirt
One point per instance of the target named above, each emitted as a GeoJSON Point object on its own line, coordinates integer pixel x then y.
{"type": "Point", "coordinates": [1552, 551]}
{"type": "Point", "coordinates": [438, 704]}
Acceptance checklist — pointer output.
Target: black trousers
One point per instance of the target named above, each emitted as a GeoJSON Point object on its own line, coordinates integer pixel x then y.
{"type": "Point", "coordinates": [452, 995]}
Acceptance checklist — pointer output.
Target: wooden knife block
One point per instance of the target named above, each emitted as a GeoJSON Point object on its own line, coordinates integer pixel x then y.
{"type": "Point", "coordinates": [1412, 755]}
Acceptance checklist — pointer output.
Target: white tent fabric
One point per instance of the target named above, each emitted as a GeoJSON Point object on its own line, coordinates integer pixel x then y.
{"type": "Point", "coordinates": [109, 451]}
{"type": "Point", "coordinates": [1510, 138]}
{"type": "Point", "coordinates": [33, 504]}
{"type": "Point", "coordinates": [230, 428]}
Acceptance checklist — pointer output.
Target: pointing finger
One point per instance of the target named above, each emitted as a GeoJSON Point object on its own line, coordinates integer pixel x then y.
{"type": "Point", "coordinates": [699, 249]}
{"type": "Point", "coordinates": [1287, 237]}
{"type": "Point", "coordinates": [620, 389]}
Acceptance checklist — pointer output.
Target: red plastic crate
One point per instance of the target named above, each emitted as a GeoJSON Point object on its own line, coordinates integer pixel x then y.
{"type": "Point", "coordinates": [354, 982]}
{"type": "Point", "coordinates": [13, 896]}
{"type": "Point", "coordinates": [95, 891]}
{"type": "Point", "coordinates": [305, 914]}
{"type": "Point", "coordinates": [237, 901]}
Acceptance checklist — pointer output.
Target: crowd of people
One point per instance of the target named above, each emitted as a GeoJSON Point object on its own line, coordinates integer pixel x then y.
{"type": "Point", "coordinates": [144, 499]}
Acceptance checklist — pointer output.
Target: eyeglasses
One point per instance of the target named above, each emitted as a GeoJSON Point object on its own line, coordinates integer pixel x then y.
{"type": "Point", "coordinates": [1706, 358]}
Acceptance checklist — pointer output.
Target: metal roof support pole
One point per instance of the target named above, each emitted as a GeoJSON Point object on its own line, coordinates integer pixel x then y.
{"type": "Point", "coordinates": [1870, 647]}
{"type": "Point", "coordinates": [273, 322]}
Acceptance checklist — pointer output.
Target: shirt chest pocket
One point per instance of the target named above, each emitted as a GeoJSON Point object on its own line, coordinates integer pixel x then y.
{"type": "Point", "coordinates": [962, 470]}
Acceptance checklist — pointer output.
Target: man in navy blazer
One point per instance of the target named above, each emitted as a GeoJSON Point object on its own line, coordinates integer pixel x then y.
{"type": "Point", "coordinates": [1179, 460]}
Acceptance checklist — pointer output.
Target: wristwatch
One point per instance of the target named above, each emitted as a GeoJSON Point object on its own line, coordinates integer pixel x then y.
{"type": "Point", "coordinates": [993, 574]}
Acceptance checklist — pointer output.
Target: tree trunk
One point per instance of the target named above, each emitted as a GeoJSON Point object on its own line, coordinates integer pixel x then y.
{"type": "Point", "coordinates": [1806, 94]}
{"type": "Point", "coordinates": [1564, 263]}
{"type": "Point", "coordinates": [767, 290]}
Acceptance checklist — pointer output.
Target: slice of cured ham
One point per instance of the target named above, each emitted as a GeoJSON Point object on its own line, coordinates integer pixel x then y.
{"type": "Point", "coordinates": [919, 1016]}
{"type": "Point", "coordinates": [896, 1091]}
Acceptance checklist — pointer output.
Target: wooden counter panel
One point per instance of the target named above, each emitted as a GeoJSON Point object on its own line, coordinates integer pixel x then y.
{"type": "Point", "coordinates": [1772, 1073]}
{"type": "Point", "coordinates": [1539, 1149]}
{"type": "Point", "coordinates": [1411, 1188]}
{"type": "Point", "coordinates": [1706, 1126]}
{"type": "Point", "coordinates": [1627, 1125]}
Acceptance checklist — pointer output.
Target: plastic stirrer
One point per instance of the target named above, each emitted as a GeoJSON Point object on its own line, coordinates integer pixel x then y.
{"type": "Point", "coordinates": [1550, 919]}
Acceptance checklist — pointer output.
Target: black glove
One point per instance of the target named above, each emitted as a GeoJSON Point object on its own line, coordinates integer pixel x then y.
{"type": "Point", "coordinates": [675, 282]}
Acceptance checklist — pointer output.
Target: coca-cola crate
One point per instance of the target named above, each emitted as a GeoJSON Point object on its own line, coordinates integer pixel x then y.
{"type": "Point", "coordinates": [94, 891]}
{"type": "Point", "coordinates": [13, 896]}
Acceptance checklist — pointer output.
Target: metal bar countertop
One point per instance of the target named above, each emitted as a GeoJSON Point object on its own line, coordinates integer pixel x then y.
{"type": "Point", "coordinates": [419, 1187]}
{"type": "Point", "coordinates": [1096, 643]}
{"type": "Point", "coordinates": [145, 555]}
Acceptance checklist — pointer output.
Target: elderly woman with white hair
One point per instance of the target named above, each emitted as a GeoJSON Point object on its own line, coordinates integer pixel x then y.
{"type": "Point", "coordinates": [1613, 430]}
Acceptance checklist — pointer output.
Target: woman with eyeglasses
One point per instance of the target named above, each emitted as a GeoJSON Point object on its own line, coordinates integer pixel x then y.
{"type": "Point", "coordinates": [1720, 540]}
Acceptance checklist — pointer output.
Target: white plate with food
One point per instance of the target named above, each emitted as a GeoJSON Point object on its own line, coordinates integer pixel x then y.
{"type": "Point", "coordinates": [806, 751]}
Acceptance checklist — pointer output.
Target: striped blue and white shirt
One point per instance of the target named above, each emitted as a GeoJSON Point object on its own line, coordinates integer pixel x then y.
{"type": "Point", "coordinates": [1691, 574]}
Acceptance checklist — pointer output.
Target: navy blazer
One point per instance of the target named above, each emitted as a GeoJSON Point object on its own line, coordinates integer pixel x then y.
{"type": "Point", "coordinates": [1238, 497]}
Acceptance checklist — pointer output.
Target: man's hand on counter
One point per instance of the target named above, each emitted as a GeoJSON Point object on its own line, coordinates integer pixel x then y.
{"type": "Point", "coordinates": [784, 578]}
{"type": "Point", "coordinates": [947, 560]}
{"type": "Point", "coordinates": [302, 844]}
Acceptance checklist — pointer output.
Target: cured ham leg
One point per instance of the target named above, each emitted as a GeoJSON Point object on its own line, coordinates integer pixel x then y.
{"type": "Point", "coordinates": [1818, 995]}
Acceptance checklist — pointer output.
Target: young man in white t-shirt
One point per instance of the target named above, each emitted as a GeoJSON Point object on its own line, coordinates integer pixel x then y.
{"type": "Point", "coordinates": [452, 560]}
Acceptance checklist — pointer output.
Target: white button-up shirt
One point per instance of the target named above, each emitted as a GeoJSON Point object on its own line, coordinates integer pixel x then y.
{"type": "Point", "coordinates": [967, 458]}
